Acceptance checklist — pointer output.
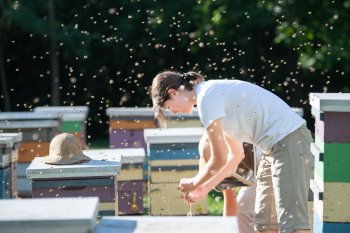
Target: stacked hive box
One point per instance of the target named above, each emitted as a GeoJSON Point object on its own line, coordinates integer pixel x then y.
{"type": "Point", "coordinates": [13, 158]}
{"type": "Point", "coordinates": [126, 127]}
{"type": "Point", "coordinates": [130, 183]}
{"type": "Point", "coordinates": [97, 177]}
{"type": "Point", "coordinates": [37, 130]}
{"type": "Point", "coordinates": [173, 155]}
{"type": "Point", "coordinates": [6, 145]}
{"type": "Point", "coordinates": [73, 119]}
{"type": "Point", "coordinates": [68, 215]}
{"type": "Point", "coordinates": [203, 224]}
{"type": "Point", "coordinates": [331, 183]}
{"type": "Point", "coordinates": [181, 120]}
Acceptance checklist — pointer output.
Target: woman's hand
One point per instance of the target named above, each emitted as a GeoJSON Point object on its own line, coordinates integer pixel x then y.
{"type": "Point", "coordinates": [186, 185]}
{"type": "Point", "coordinates": [194, 196]}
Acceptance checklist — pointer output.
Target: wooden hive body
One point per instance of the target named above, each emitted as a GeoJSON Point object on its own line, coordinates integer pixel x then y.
{"type": "Point", "coordinates": [173, 155]}
{"type": "Point", "coordinates": [97, 177]}
{"type": "Point", "coordinates": [55, 215]}
{"type": "Point", "coordinates": [331, 181]}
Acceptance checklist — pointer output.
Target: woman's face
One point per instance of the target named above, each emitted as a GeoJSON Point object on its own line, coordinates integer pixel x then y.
{"type": "Point", "coordinates": [179, 102]}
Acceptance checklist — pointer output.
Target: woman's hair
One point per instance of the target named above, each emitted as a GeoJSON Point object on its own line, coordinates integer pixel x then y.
{"type": "Point", "coordinates": [170, 80]}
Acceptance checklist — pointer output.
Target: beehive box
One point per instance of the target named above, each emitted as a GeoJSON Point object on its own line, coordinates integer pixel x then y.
{"type": "Point", "coordinates": [126, 126]}
{"type": "Point", "coordinates": [24, 187]}
{"type": "Point", "coordinates": [5, 183]}
{"type": "Point", "coordinates": [331, 183]}
{"type": "Point", "coordinates": [130, 184]}
{"type": "Point", "coordinates": [97, 177]}
{"type": "Point", "coordinates": [182, 120]}
{"type": "Point", "coordinates": [37, 130]}
{"type": "Point", "coordinates": [331, 200]}
{"type": "Point", "coordinates": [173, 155]}
{"type": "Point", "coordinates": [17, 139]}
{"type": "Point", "coordinates": [54, 215]}
{"type": "Point", "coordinates": [167, 224]}
{"type": "Point", "coordinates": [13, 158]}
{"type": "Point", "coordinates": [328, 227]}
{"type": "Point", "coordinates": [6, 145]}
{"type": "Point", "coordinates": [73, 119]}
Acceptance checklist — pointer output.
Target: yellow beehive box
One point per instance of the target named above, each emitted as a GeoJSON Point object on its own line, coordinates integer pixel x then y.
{"type": "Point", "coordinates": [332, 200]}
{"type": "Point", "coordinates": [165, 199]}
{"type": "Point", "coordinates": [170, 171]}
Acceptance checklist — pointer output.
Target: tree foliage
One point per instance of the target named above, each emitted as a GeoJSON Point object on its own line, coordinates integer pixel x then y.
{"type": "Point", "coordinates": [109, 51]}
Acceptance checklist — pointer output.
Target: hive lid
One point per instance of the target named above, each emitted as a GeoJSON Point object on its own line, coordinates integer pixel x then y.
{"type": "Point", "coordinates": [27, 116]}
{"type": "Point", "coordinates": [40, 214]}
{"type": "Point", "coordinates": [17, 137]}
{"type": "Point", "coordinates": [134, 155]}
{"type": "Point", "coordinates": [73, 116]}
{"type": "Point", "coordinates": [298, 111]}
{"type": "Point", "coordinates": [174, 135]}
{"type": "Point", "coordinates": [130, 112]}
{"type": "Point", "coordinates": [169, 224]}
{"type": "Point", "coordinates": [100, 165]}
{"type": "Point", "coordinates": [29, 124]}
{"type": "Point", "coordinates": [330, 102]}
{"type": "Point", "coordinates": [6, 143]}
{"type": "Point", "coordinates": [63, 109]}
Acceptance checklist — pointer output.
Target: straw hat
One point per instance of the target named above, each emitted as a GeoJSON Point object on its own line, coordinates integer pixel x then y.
{"type": "Point", "coordinates": [65, 149]}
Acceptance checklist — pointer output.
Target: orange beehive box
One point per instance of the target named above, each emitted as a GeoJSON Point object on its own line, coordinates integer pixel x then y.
{"type": "Point", "coordinates": [131, 124]}
{"type": "Point", "coordinates": [30, 150]}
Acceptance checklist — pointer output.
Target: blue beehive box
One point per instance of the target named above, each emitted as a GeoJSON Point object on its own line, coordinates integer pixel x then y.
{"type": "Point", "coordinates": [173, 143]}
{"type": "Point", "coordinates": [5, 183]}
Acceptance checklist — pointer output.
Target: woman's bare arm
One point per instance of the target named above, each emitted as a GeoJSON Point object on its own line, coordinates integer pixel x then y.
{"type": "Point", "coordinates": [218, 157]}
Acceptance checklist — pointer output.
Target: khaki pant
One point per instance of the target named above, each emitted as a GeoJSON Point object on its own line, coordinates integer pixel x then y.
{"type": "Point", "coordinates": [283, 184]}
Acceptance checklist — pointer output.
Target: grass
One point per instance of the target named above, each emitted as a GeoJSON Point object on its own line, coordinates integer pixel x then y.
{"type": "Point", "coordinates": [215, 203]}
{"type": "Point", "coordinates": [215, 199]}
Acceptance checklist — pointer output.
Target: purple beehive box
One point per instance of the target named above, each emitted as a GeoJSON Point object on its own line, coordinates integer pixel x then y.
{"type": "Point", "coordinates": [334, 127]}
{"type": "Point", "coordinates": [129, 193]}
{"type": "Point", "coordinates": [127, 139]}
{"type": "Point", "coordinates": [97, 177]}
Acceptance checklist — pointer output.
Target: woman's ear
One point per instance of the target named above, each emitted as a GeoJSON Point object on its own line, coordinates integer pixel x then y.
{"type": "Point", "coordinates": [173, 91]}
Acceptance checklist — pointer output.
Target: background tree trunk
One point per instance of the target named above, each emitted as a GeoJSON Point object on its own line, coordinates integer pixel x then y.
{"type": "Point", "coordinates": [55, 78]}
{"type": "Point", "coordinates": [3, 80]}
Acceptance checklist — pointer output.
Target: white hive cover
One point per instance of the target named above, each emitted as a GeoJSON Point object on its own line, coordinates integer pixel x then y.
{"type": "Point", "coordinates": [41, 214]}
{"type": "Point", "coordinates": [29, 124]}
{"type": "Point", "coordinates": [17, 137]}
{"type": "Point", "coordinates": [298, 111]}
{"type": "Point", "coordinates": [73, 116]}
{"type": "Point", "coordinates": [129, 112]}
{"type": "Point", "coordinates": [174, 135]}
{"type": "Point", "coordinates": [330, 102]}
{"type": "Point", "coordinates": [168, 224]}
{"type": "Point", "coordinates": [64, 109]}
{"type": "Point", "coordinates": [100, 165]}
{"type": "Point", "coordinates": [27, 116]}
{"type": "Point", "coordinates": [6, 142]}
{"type": "Point", "coordinates": [133, 155]}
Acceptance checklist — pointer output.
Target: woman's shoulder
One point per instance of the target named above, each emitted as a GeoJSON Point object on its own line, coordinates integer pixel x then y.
{"type": "Point", "coordinates": [214, 87]}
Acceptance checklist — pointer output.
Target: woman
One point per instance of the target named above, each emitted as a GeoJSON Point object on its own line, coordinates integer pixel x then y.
{"type": "Point", "coordinates": [234, 111]}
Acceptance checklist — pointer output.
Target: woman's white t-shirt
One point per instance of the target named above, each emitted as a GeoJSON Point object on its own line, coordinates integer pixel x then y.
{"type": "Point", "coordinates": [249, 113]}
